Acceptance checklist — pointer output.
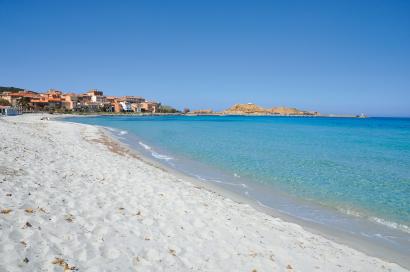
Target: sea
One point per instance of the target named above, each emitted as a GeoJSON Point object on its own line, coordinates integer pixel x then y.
{"type": "Point", "coordinates": [351, 175]}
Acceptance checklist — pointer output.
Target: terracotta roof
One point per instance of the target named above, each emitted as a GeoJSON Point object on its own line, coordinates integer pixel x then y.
{"type": "Point", "coordinates": [23, 95]}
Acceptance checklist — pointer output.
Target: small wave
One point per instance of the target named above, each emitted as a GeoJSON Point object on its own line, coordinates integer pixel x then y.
{"type": "Point", "coordinates": [200, 178]}
{"type": "Point", "coordinates": [146, 147]}
{"type": "Point", "coordinates": [236, 175]}
{"type": "Point", "coordinates": [110, 129]}
{"type": "Point", "coordinates": [160, 156]}
{"type": "Point", "coordinates": [378, 220]}
{"type": "Point", "coordinates": [263, 205]}
{"type": "Point", "coordinates": [123, 132]}
{"type": "Point", "coordinates": [155, 154]}
{"type": "Point", "coordinates": [229, 183]}
{"type": "Point", "coordinates": [350, 212]}
{"type": "Point", "coordinates": [222, 182]}
{"type": "Point", "coordinates": [390, 224]}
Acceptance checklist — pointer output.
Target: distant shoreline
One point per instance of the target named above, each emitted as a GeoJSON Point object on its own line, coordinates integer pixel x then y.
{"type": "Point", "coordinates": [208, 114]}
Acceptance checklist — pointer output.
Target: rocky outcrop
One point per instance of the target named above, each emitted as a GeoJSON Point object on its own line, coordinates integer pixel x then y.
{"type": "Point", "coordinates": [252, 109]}
{"type": "Point", "coordinates": [287, 111]}
{"type": "Point", "coordinates": [245, 109]}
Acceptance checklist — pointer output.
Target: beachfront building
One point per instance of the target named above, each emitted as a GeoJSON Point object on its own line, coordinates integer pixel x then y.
{"type": "Point", "coordinates": [91, 101]}
{"type": "Point", "coordinates": [52, 100]}
{"type": "Point", "coordinates": [136, 107]}
{"type": "Point", "coordinates": [70, 101]}
{"type": "Point", "coordinates": [96, 96]}
{"type": "Point", "coordinates": [20, 100]}
{"type": "Point", "coordinates": [127, 104]}
{"type": "Point", "coordinates": [111, 99]}
{"type": "Point", "coordinates": [85, 104]}
{"type": "Point", "coordinates": [122, 106]}
{"type": "Point", "coordinates": [149, 106]}
{"type": "Point", "coordinates": [95, 92]}
{"type": "Point", "coordinates": [133, 99]}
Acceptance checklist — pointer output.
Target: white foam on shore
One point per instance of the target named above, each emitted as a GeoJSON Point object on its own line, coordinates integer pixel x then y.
{"type": "Point", "coordinates": [146, 147]}
{"type": "Point", "coordinates": [243, 185]}
{"type": "Point", "coordinates": [390, 224]}
{"type": "Point", "coordinates": [161, 156]}
{"type": "Point", "coordinates": [111, 129]}
{"type": "Point", "coordinates": [155, 154]}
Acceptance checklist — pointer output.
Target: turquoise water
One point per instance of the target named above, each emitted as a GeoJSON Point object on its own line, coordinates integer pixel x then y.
{"type": "Point", "coordinates": [353, 166]}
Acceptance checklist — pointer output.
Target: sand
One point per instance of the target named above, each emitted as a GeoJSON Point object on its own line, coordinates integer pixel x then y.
{"type": "Point", "coordinates": [73, 199]}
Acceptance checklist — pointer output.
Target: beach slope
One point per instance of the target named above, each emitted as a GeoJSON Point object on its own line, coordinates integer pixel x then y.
{"type": "Point", "coordinates": [72, 198]}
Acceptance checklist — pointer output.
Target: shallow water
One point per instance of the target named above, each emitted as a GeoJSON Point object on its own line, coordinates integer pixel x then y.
{"type": "Point", "coordinates": [339, 171]}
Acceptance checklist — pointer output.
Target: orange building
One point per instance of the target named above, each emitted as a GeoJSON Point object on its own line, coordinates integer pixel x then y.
{"type": "Point", "coordinates": [15, 98]}
{"type": "Point", "coordinates": [149, 106]}
{"type": "Point", "coordinates": [50, 100]}
{"type": "Point", "coordinates": [70, 101]}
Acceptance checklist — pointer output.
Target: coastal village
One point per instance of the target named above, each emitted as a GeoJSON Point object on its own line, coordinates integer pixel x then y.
{"type": "Point", "coordinates": [16, 102]}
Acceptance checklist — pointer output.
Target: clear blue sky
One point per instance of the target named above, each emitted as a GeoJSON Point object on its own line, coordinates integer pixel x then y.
{"type": "Point", "coordinates": [332, 56]}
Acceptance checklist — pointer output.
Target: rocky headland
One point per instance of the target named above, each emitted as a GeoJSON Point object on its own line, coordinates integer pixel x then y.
{"type": "Point", "coordinates": [253, 109]}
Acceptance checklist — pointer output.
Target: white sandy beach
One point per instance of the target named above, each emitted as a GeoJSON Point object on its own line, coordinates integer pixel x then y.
{"type": "Point", "coordinates": [71, 198]}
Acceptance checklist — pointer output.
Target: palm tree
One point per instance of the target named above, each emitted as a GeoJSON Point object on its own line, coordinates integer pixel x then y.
{"type": "Point", "coordinates": [24, 103]}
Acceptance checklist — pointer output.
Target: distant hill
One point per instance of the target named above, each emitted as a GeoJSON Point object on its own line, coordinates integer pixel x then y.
{"type": "Point", "coordinates": [244, 109]}
{"type": "Point", "coordinates": [287, 111]}
{"type": "Point", "coordinates": [10, 89]}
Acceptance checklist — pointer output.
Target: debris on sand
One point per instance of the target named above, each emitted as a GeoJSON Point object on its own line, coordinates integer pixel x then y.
{"type": "Point", "coordinates": [6, 211]}
{"type": "Point", "coordinates": [27, 225]}
{"type": "Point", "coordinates": [29, 210]}
{"type": "Point", "coordinates": [62, 263]}
{"type": "Point", "coordinates": [69, 218]}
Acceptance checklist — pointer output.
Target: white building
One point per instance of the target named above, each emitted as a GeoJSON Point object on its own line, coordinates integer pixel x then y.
{"type": "Point", "coordinates": [125, 106]}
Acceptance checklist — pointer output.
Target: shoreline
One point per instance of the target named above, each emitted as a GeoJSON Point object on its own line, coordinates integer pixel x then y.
{"type": "Point", "coordinates": [368, 246]}
{"type": "Point", "coordinates": [89, 114]}
{"type": "Point", "coordinates": [111, 177]}
{"type": "Point", "coordinates": [371, 248]}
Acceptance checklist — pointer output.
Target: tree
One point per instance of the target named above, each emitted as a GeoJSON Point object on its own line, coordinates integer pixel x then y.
{"type": "Point", "coordinates": [10, 89]}
{"type": "Point", "coordinates": [166, 109]}
{"type": "Point", "coordinates": [24, 103]}
{"type": "Point", "coordinates": [4, 102]}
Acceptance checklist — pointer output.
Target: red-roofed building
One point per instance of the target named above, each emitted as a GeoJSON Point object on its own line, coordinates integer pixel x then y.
{"type": "Point", "coordinates": [20, 100]}
{"type": "Point", "coordinates": [48, 101]}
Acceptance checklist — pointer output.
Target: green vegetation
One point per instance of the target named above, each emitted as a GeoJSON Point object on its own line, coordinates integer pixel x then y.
{"type": "Point", "coordinates": [10, 89]}
{"type": "Point", "coordinates": [24, 103]}
{"type": "Point", "coordinates": [167, 109]}
{"type": "Point", "coordinates": [4, 102]}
